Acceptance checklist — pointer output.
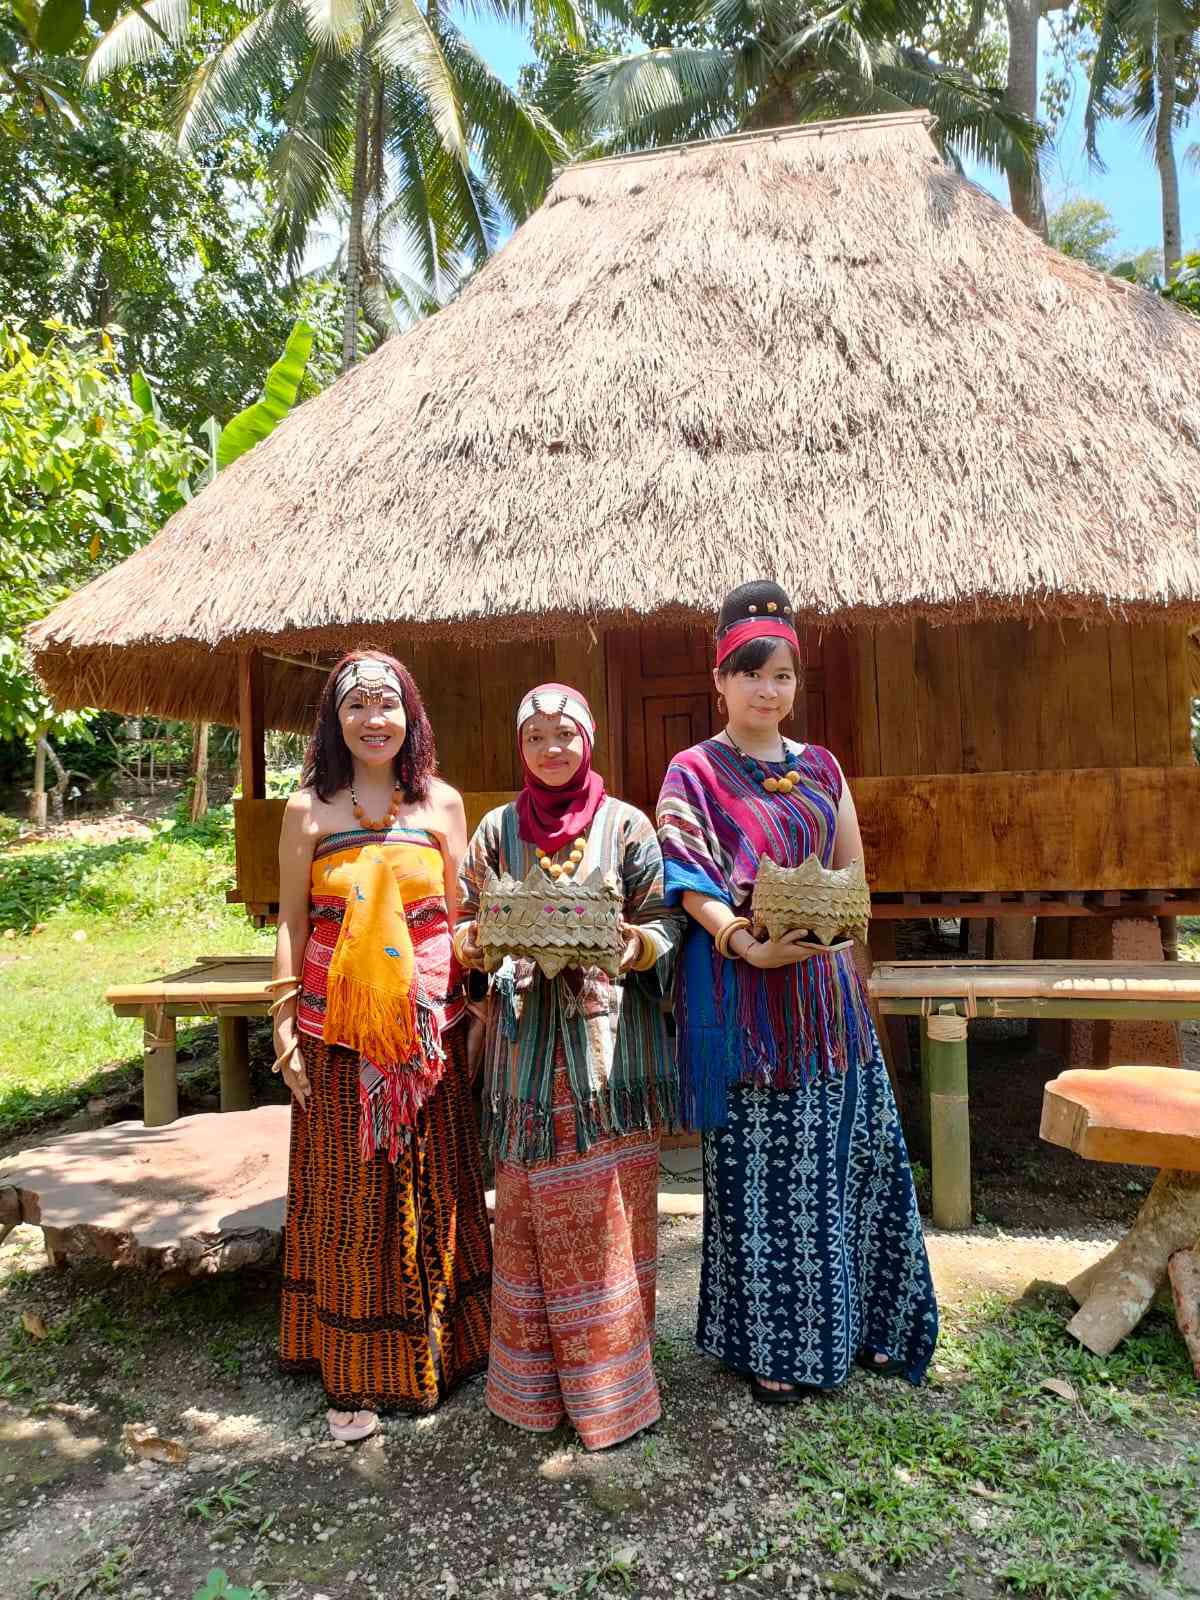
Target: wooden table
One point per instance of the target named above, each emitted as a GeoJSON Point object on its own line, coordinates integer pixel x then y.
{"type": "Point", "coordinates": [945, 994]}
{"type": "Point", "coordinates": [231, 988]}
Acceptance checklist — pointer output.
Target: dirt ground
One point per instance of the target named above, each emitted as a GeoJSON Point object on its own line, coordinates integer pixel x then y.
{"type": "Point", "coordinates": [457, 1504]}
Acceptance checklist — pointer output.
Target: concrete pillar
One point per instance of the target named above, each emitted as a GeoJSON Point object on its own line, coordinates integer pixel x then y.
{"type": "Point", "coordinates": [1111, 1044]}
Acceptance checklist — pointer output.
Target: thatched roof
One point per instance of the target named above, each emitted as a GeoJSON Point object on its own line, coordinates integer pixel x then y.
{"type": "Point", "coordinates": [819, 354]}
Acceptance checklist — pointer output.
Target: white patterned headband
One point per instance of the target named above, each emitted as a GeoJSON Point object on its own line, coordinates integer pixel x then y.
{"type": "Point", "coordinates": [372, 680]}
{"type": "Point", "coordinates": [556, 700]}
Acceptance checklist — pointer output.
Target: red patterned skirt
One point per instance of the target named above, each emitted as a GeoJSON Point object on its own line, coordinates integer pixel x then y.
{"type": "Point", "coordinates": [386, 1266]}
{"type": "Point", "coordinates": [574, 1286]}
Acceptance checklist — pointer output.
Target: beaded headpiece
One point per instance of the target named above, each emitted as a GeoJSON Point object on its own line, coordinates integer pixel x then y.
{"type": "Point", "coordinates": [557, 700]}
{"type": "Point", "coordinates": [758, 610]}
{"type": "Point", "coordinates": [371, 678]}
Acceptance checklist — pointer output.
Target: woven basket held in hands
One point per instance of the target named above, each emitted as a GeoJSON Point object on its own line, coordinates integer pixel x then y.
{"type": "Point", "coordinates": [568, 923]}
{"type": "Point", "coordinates": [827, 903]}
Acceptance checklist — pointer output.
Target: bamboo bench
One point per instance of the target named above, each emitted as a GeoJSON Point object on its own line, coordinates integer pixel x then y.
{"type": "Point", "coordinates": [231, 988]}
{"type": "Point", "coordinates": [946, 994]}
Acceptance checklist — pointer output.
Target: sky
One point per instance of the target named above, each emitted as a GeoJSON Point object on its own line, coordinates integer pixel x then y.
{"type": "Point", "coordinates": [1128, 186]}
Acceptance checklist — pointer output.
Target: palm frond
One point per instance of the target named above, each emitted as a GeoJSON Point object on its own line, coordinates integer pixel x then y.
{"type": "Point", "coordinates": [310, 163]}
{"type": "Point", "coordinates": [404, 41]}
{"type": "Point", "coordinates": [234, 81]}
{"type": "Point", "coordinates": [133, 39]}
{"type": "Point", "coordinates": [664, 89]}
{"type": "Point", "coordinates": [333, 24]}
{"type": "Point", "coordinates": [517, 146]}
{"type": "Point", "coordinates": [972, 119]}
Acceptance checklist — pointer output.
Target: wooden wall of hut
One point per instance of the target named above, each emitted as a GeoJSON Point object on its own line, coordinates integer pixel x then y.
{"type": "Point", "coordinates": [919, 716]}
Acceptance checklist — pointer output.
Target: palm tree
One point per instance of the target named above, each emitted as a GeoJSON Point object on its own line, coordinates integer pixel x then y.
{"type": "Point", "coordinates": [765, 63]}
{"type": "Point", "coordinates": [379, 101]}
{"type": "Point", "coordinates": [1147, 68]}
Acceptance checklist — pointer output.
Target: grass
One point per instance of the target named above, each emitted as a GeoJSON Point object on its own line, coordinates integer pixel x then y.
{"type": "Point", "coordinates": [79, 917]}
{"type": "Point", "coordinates": [1075, 1499]}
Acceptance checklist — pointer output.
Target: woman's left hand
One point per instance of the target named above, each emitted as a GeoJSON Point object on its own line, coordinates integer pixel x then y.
{"type": "Point", "coordinates": [632, 952]}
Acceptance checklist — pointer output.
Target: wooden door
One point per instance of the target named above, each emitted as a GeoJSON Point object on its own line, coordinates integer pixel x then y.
{"type": "Point", "coordinates": [662, 699]}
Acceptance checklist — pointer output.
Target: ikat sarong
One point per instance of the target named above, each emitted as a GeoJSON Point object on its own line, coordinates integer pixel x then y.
{"type": "Point", "coordinates": [813, 1248]}
{"type": "Point", "coordinates": [574, 1285]}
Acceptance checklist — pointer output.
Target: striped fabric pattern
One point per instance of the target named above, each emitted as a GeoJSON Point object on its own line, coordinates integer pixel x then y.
{"type": "Point", "coordinates": [612, 1036]}
{"type": "Point", "coordinates": [735, 1024]}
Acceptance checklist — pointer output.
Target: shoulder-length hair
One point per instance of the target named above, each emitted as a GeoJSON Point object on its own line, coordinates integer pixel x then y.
{"type": "Point", "coordinates": [328, 766]}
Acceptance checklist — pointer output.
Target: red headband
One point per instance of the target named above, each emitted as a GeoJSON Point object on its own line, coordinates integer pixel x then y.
{"type": "Point", "coordinates": [756, 628]}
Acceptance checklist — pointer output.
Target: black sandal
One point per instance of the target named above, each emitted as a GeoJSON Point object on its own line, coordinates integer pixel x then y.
{"type": "Point", "coordinates": [881, 1369]}
{"type": "Point", "coordinates": [794, 1396]}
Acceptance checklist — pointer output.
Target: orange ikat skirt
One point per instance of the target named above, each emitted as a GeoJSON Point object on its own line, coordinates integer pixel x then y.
{"type": "Point", "coordinates": [387, 1267]}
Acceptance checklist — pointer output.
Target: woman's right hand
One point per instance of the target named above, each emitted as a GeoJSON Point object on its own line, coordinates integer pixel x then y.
{"type": "Point", "coordinates": [469, 948]}
{"type": "Point", "coordinates": [292, 1070]}
{"type": "Point", "coordinates": [769, 954]}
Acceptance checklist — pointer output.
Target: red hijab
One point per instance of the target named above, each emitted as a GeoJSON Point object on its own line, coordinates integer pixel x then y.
{"type": "Point", "coordinates": [550, 816]}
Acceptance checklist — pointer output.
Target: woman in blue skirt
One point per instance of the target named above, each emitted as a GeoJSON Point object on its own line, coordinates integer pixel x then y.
{"type": "Point", "coordinates": [813, 1256]}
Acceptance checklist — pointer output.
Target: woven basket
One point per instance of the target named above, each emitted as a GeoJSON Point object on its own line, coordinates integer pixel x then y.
{"type": "Point", "coordinates": [827, 903]}
{"type": "Point", "coordinates": [563, 923]}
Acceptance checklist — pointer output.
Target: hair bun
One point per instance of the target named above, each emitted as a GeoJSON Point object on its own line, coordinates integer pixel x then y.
{"type": "Point", "coordinates": [761, 598]}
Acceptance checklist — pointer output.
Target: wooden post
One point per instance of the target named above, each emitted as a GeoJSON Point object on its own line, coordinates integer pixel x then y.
{"type": "Point", "coordinates": [234, 1036]}
{"type": "Point", "coordinates": [160, 1074]}
{"type": "Point", "coordinates": [251, 728]}
{"type": "Point", "coordinates": [924, 1120]}
{"type": "Point", "coordinates": [944, 1038]}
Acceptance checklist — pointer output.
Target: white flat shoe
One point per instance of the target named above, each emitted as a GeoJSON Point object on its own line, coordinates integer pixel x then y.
{"type": "Point", "coordinates": [362, 1425]}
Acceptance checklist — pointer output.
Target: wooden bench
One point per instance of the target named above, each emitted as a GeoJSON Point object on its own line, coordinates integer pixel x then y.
{"type": "Point", "coordinates": [231, 988]}
{"type": "Point", "coordinates": [1148, 1116]}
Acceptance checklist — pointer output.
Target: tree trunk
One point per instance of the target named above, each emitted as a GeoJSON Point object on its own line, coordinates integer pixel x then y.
{"type": "Point", "coordinates": [1184, 1272]}
{"type": "Point", "coordinates": [374, 299]}
{"type": "Point", "coordinates": [1021, 93]}
{"type": "Point", "coordinates": [1115, 1293]}
{"type": "Point", "coordinates": [358, 196]}
{"type": "Point", "coordinates": [1164, 157]}
{"type": "Point", "coordinates": [58, 789]}
{"type": "Point", "coordinates": [37, 795]}
{"type": "Point", "coordinates": [199, 803]}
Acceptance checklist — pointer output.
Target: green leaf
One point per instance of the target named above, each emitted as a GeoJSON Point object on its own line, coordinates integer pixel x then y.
{"type": "Point", "coordinates": [279, 396]}
{"type": "Point", "coordinates": [144, 395]}
{"type": "Point", "coordinates": [59, 25]}
{"type": "Point", "coordinates": [103, 13]}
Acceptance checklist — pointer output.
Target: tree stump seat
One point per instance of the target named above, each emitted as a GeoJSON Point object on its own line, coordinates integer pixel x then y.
{"type": "Point", "coordinates": [1145, 1116]}
{"type": "Point", "coordinates": [1148, 1116]}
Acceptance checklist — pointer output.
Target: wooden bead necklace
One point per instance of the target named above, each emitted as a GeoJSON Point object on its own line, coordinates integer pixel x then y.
{"type": "Point", "coordinates": [393, 811]}
{"type": "Point", "coordinates": [563, 869]}
{"type": "Point", "coordinates": [769, 781]}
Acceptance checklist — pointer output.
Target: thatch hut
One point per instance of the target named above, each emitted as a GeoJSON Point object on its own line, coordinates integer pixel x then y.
{"type": "Point", "coordinates": [817, 353]}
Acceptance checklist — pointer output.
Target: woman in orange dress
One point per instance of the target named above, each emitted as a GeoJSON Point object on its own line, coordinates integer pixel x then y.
{"type": "Point", "coordinates": [386, 1251]}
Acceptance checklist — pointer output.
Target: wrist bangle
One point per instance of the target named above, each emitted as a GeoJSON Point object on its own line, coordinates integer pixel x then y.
{"type": "Point", "coordinates": [726, 934]}
{"type": "Point", "coordinates": [648, 955]}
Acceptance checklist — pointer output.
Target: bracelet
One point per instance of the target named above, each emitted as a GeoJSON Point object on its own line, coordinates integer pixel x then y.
{"type": "Point", "coordinates": [727, 933]}
{"type": "Point", "coordinates": [457, 940]}
{"type": "Point", "coordinates": [648, 955]}
{"type": "Point", "coordinates": [282, 1059]}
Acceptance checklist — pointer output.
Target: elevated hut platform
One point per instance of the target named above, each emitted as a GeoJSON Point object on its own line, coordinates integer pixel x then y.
{"type": "Point", "coordinates": [203, 1195]}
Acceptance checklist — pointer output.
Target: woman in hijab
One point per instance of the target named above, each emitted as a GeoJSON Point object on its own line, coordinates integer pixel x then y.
{"type": "Point", "coordinates": [578, 1082]}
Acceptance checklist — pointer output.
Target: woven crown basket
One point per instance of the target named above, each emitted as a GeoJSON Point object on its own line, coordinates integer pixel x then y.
{"type": "Point", "coordinates": [831, 904]}
{"type": "Point", "coordinates": [557, 924]}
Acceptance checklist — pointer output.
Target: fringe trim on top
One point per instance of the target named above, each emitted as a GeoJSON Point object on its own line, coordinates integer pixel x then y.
{"type": "Point", "coordinates": [783, 1030]}
{"type": "Point", "coordinates": [391, 1097]}
{"type": "Point", "coordinates": [522, 1132]}
{"type": "Point", "coordinates": [379, 1024]}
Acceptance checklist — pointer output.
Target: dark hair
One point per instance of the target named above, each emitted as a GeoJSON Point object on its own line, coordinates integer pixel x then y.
{"type": "Point", "coordinates": [328, 765]}
{"type": "Point", "coordinates": [753, 654]}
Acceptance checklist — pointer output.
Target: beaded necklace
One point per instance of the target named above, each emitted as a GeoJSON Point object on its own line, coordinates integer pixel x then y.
{"type": "Point", "coordinates": [393, 811]}
{"type": "Point", "coordinates": [769, 781]}
{"type": "Point", "coordinates": [563, 869]}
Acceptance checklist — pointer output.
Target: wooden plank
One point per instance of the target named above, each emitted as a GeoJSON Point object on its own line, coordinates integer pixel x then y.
{"type": "Point", "coordinates": [579, 660]}
{"type": "Point", "coordinates": [938, 696]}
{"type": "Point", "coordinates": [1089, 730]}
{"type": "Point", "coordinates": [1120, 666]}
{"type": "Point", "coordinates": [983, 676]}
{"type": "Point", "coordinates": [479, 802]}
{"type": "Point", "coordinates": [251, 728]}
{"type": "Point", "coordinates": [1179, 694]}
{"type": "Point", "coordinates": [899, 749]}
{"type": "Point", "coordinates": [506, 673]}
{"type": "Point", "coordinates": [450, 683]}
{"type": "Point", "coordinates": [1052, 831]}
{"type": "Point", "coordinates": [1126, 981]}
{"type": "Point", "coordinates": [256, 829]}
{"type": "Point", "coordinates": [1151, 708]}
{"type": "Point", "coordinates": [614, 678]}
{"type": "Point", "coordinates": [865, 702]}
